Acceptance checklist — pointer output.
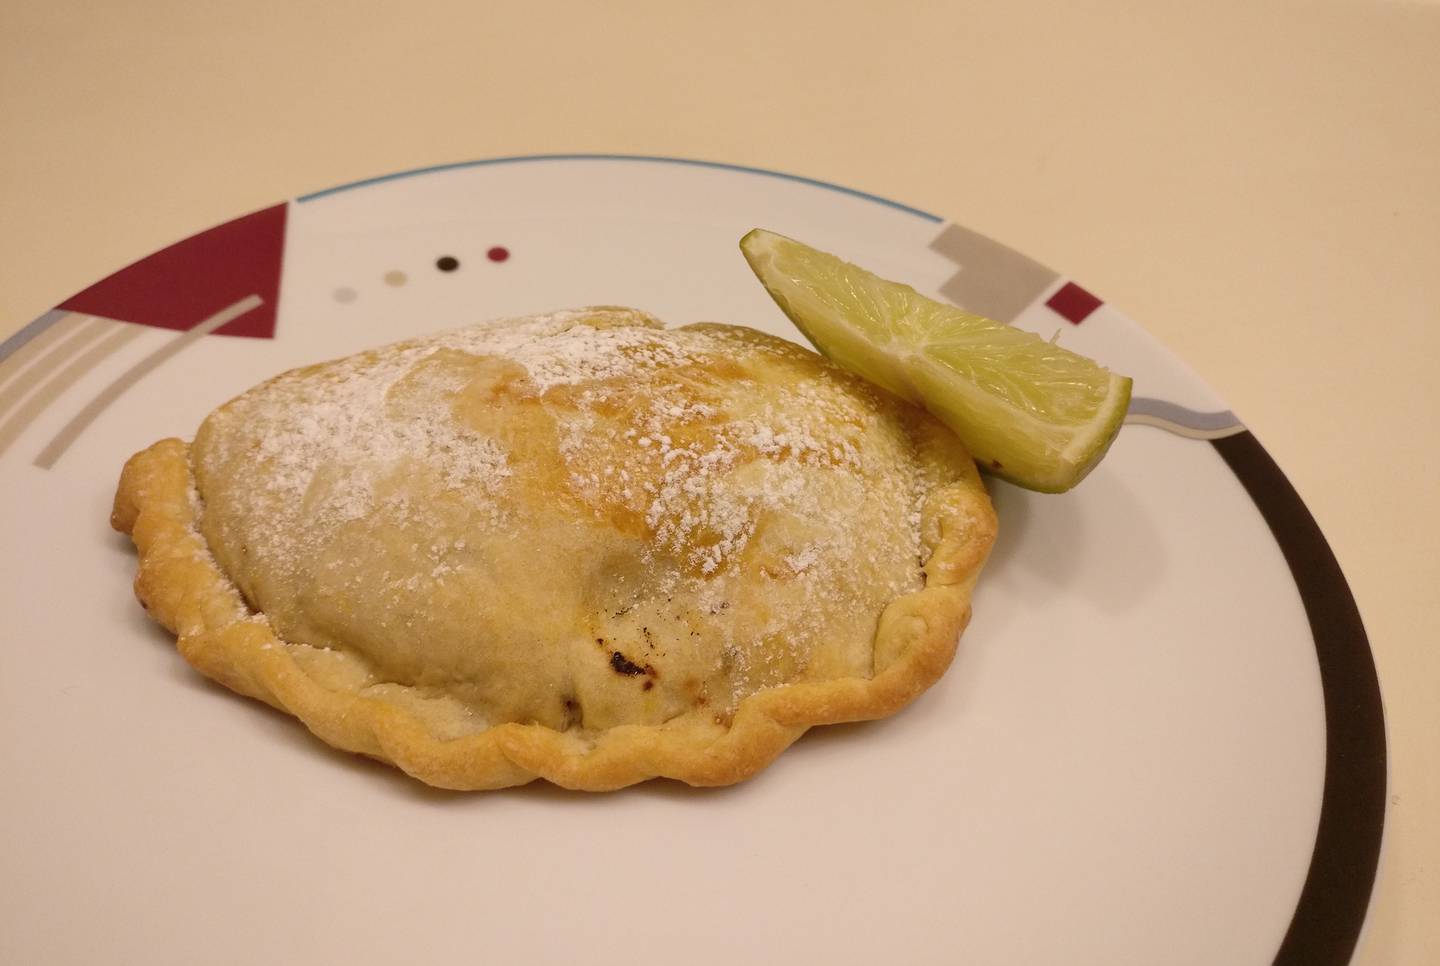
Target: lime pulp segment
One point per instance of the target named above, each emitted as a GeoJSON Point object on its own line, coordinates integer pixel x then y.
{"type": "Point", "coordinates": [1028, 410]}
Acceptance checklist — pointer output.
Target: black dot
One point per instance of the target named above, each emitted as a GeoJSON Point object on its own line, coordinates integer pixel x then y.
{"type": "Point", "coordinates": [447, 263]}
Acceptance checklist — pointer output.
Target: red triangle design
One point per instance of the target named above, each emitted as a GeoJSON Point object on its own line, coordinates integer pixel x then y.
{"type": "Point", "coordinates": [181, 286]}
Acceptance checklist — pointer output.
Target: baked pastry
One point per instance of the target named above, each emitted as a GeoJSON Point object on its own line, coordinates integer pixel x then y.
{"type": "Point", "coordinates": [579, 546]}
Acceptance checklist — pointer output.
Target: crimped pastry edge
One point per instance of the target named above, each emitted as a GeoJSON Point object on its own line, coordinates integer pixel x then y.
{"type": "Point", "coordinates": [181, 586]}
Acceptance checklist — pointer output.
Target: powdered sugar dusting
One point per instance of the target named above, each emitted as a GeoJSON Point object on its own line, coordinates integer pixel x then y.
{"type": "Point", "coordinates": [756, 503]}
{"type": "Point", "coordinates": [329, 444]}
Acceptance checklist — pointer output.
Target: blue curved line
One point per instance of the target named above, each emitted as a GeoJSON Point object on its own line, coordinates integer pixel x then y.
{"type": "Point", "coordinates": [36, 326]}
{"type": "Point", "coordinates": [656, 159]}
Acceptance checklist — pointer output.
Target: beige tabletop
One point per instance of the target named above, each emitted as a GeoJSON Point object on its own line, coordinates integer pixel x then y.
{"type": "Point", "coordinates": [1258, 183]}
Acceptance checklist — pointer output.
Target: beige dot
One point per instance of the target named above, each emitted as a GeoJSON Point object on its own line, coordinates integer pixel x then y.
{"type": "Point", "coordinates": [345, 295]}
{"type": "Point", "coordinates": [395, 277]}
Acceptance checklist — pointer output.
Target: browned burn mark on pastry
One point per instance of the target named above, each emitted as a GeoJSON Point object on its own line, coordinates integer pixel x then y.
{"type": "Point", "coordinates": [621, 664]}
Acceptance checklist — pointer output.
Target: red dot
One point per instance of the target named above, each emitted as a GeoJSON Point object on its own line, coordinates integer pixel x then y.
{"type": "Point", "coordinates": [498, 254]}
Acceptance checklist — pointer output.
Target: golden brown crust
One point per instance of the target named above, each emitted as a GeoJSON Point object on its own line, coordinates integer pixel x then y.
{"type": "Point", "coordinates": [860, 632]}
{"type": "Point", "coordinates": [181, 586]}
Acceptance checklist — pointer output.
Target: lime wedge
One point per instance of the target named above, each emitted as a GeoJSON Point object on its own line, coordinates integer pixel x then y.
{"type": "Point", "coordinates": [1029, 411]}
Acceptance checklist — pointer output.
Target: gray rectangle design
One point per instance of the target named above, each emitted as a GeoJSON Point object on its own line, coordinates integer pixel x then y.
{"type": "Point", "coordinates": [993, 281]}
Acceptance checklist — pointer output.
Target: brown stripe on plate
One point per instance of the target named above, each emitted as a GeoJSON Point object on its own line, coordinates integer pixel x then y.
{"type": "Point", "coordinates": [1333, 902]}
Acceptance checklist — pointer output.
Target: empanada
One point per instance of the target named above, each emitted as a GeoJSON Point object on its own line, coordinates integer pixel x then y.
{"type": "Point", "coordinates": [581, 547]}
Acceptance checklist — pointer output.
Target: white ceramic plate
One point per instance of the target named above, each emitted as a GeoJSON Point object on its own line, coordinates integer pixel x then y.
{"type": "Point", "coordinates": [1161, 741]}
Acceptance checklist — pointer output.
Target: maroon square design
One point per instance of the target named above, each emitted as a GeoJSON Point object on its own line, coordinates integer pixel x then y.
{"type": "Point", "coordinates": [1073, 302]}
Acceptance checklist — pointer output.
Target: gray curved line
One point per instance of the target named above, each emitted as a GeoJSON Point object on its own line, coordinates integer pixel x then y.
{"type": "Point", "coordinates": [36, 359]}
{"type": "Point", "coordinates": [1140, 419]}
{"type": "Point", "coordinates": [81, 421]}
{"type": "Point", "coordinates": [36, 346]}
{"type": "Point", "coordinates": [1174, 418]}
{"type": "Point", "coordinates": [34, 329]}
{"type": "Point", "coordinates": [53, 388]}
